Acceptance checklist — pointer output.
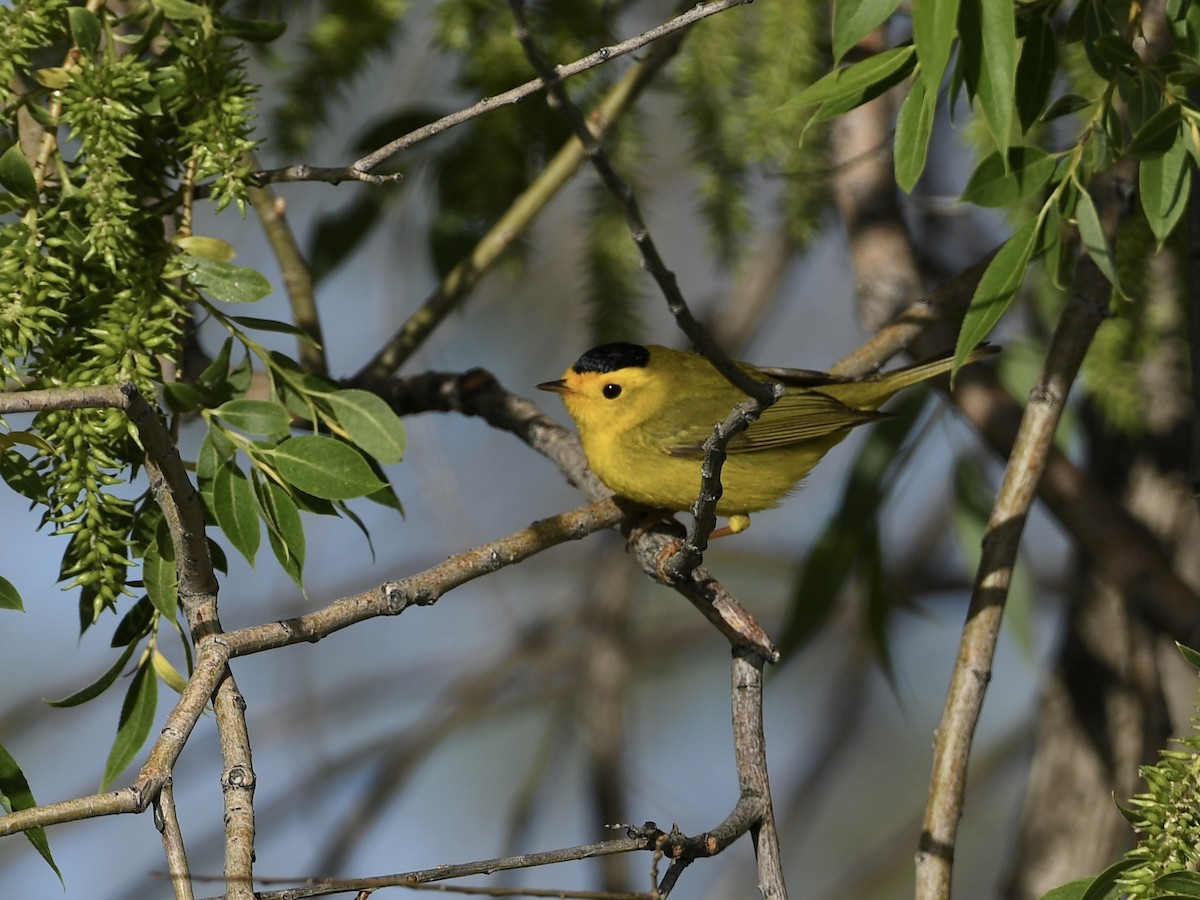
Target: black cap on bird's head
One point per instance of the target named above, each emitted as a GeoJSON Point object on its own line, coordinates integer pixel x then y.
{"type": "Point", "coordinates": [611, 357]}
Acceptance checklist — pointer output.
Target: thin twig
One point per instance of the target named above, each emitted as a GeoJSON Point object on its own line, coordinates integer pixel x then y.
{"type": "Point", "coordinates": [640, 839]}
{"type": "Point", "coordinates": [605, 54]}
{"type": "Point", "coordinates": [167, 820]}
{"type": "Point", "coordinates": [297, 277]}
{"type": "Point", "coordinates": [461, 280]}
{"type": "Point", "coordinates": [972, 671]}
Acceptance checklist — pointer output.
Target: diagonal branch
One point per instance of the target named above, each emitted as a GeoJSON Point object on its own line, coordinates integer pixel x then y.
{"type": "Point", "coordinates": [1085, 311]}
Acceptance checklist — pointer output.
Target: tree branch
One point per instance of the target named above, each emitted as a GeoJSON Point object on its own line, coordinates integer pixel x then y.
{"type": "Point", "coordinates": [297, 277]}
{"type": "Point", "coordinates": [167, 821]}
{"type": "Point", "coordinates": [972, 670]}
{"type": "Point", "coordinates": [605, 54]}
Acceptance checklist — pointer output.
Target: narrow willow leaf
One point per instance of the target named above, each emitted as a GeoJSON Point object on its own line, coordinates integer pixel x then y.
{"type": "Point", "coordinates": [1035, 70]}
{"type": "Point", "coordinates": [853, 20]}
{"type": "Point", "coordinates": [15, 794]}
{"type": "Point", "coordinates": [225, 281]}
{"type": "Point", "coordinates": [324, 467]}
{"type": "Point", "coordinates": [996, 289]}
{"type": "Point", "coordinates": [181, 9]}
{"type": "Point", "coordinates": [29, 439]}
{"type": "Point", "coordinates": [168, 673]}
{"type": "Point", "coordinates": [914, 125]}
{"type": "Point", "coordinates": [988, 48]}
{"type": "Point", "coordinates": [1158, 134]}
{"type": "Point", "coordinates": [256, 31]}
{"type": "Point", "coordinates": [1192, 656]}
{"type": "Point", "coordinates": [855, 79]}
{"type": "Point", "coordinates": [134, 625]}
{"type": "Point", "coordinates": [1178, 884]}
{"type": "Point", "coordinates": [285, 532]}
{"type": "Point", "coordinates": [1066, 105]}
{"type": "Point", "coordinates": [97, 687]}
{"type": "Point", "coordinates": [1073, 890]}
{"type": "Point", "coordinates": [16, 175]}
{"type": "Point", "coordinates": [236, 509]}
{"type": "Point", "coordinates": [254, 416]}
{"type": "Point", "coordinates": [85, 29]}
{"type": "Point", "coordinates": [258, 324]}
{"type": "Point", "coordinates": [1092, 235]}
{"type": "Point", "coordinates": [199, 245]}
{"type": "Point", "coordinates": [933, 36]}
{"type": "Point", "coordinates": [10, 597]}
{"type": "Point", "coordinates": [370, 423]}
{"type": "Point", "coordinates": [1104, 885]}
{"type": "Point", "coordinates": [997, 184]}
{"type": "Point", "coordinates": [159, 575]}
{"type": "Point", "coordinates": [137, 717]}
{"type": "Point", "coordinates": [1164, 186]}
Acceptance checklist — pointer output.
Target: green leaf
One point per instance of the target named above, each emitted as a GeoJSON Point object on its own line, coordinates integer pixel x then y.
{"type": "Point", "coordinates": [224, 281]}
{"type": "Point", "coordinates": [285, 532]}
{"type": "Point", "coordinates": [181, 9]}
{"type": "Point", "coordinates": [1165, 184]}
{"type": "Point", "coordinates": [1157, 134]}
{"type": "Point", "coordinates": [1094, 241]}
{"type": "Point", "coordinates": [324, 467]}
{"type": "Point", "coordinates": [133, 727]}
{"type": "Point", "coordinates": [85, 29]}
{"type": "Point", "coordinates": [1179, 884]}
{"type": "Point", "coordinates": [135, 624]}
{"type": "Point", "coordinates": [97, 687]}
{"type": "Point", "coordinates": [933, 35]}
{"type": "Point", "coordinates": [254, 416]}
{"type": "Point", "coordinates": [236, 510]}
{"type": "Point", "coordinates": [1035, 70]}
{"type": "Point", "coordinates": [988, 49]}
{"type": "Point", "coordinates": [1066, 105]}
{"type": "Point", "coordinates": [853, 81]}
{"type": "Point", "coordinates": [1071, 891]}
{"type": "Point", "coordinates": [1192, 656]}
{"type": "Point", "coordinates": [15, 794]}
{"type": "Point", "coordinates": [278, 327]}
{"type": "Point", "coordinates": [159, 575]}
{"type": "Point", "coordinates": [995, 184]}
{"type": "Point", "coordinates": [1104, 885]}
{"type": "Point", "coordinates": [853, 20]}
{"type": "Point", "coordinates": [168, 673]}
{"type": "Point", "coordinates": [16, 175]}
{"type": "Point", "coordinates": [255, 31]}
{"type": "Point", "coordinates": [914, 125]}
{"type": "Point", "coordinates": [996, 289]}
{"type": "Point", "coordinates": [370, 423]}
{"type": "Point", "coordinates": [202, 247]}
{"type": "Point", "coordinates": [10, 597]}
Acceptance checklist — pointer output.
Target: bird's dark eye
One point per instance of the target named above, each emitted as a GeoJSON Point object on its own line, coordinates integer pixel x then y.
{"type": "Point", "coordinates": [611, 391]}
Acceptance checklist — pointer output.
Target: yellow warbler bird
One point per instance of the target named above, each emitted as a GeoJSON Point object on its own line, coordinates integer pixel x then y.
{"type": "Point", "coordinates": [643, 413]}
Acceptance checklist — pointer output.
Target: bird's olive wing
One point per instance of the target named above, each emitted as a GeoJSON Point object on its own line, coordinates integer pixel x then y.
{"type": "Point", "coordinates": [796, 417]}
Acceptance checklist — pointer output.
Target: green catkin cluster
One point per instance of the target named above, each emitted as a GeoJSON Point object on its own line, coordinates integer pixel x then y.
{"type": "Point", "coordinates": [1167, 815]}
{"type": "Point", "coordinates": [88, 291]}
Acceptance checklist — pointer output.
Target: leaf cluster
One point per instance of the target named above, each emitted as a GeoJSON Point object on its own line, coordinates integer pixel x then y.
{"type": "Point", "coordinates": [1086, 67]}
{"type": "Point", "coordinates": [112, 123]}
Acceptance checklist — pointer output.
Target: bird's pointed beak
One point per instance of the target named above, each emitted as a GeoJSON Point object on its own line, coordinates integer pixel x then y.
{"type": "Point", "coordinates": [558, 386]}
